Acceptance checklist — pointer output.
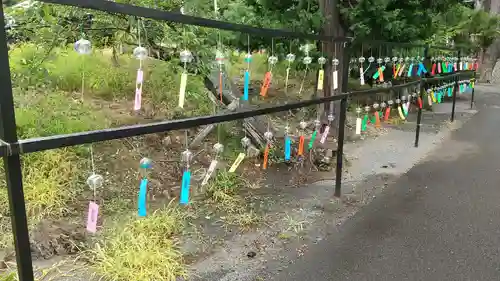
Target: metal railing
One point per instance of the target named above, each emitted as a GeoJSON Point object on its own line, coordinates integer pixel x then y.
{"type": "Point", "coordinates": [11, 147]}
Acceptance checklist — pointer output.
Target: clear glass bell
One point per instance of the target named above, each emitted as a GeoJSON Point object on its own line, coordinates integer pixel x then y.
{"type": "Point", "coordinates": [186, 156]}
{"type": "Point", "coordinates": [376, 105]}
{"type": "Point", "coordinates": [218, 148]}
{"type": "Point", "coordinates": [322, 60]}
{"type": "Point", "coordinates": [361, 59]}
{"type": "Point", "coordinates": [272, 60]}
{"type": "Point", "coordinates": [371, 59]}
{"type": "Point", "coordinates": [403, 98]}
{"type": "Point", "coordinates": [307, 60]}
{"type": "Point", "coordinates": [379, 60]}
{"type": "Point", "coordinates": [290, 57]}
{"type": "Point", "coordinates": [367, 108]}
{"type": "Point", "coordinates": [358, 110]}
{"type": "Point", "coordinates": [95, 181]}
{"type": "Point", "coordinates": [407, 59]}
{"type": "Point", "coordinates": [317, 123]}
{"type": "Point", "coordinates": [140, 53]}
{"type": "Point", "coordinates": [303, 125]}
{"type": "Point", "coordinates": [394, 59]}
{"type": "Point", "coordinates": [245, 142]}
{"type": "Point", "coordinates": [383, 104]}
{"type": "Point", "coordinates": [331, 117]}
{"type": "Point", "coordinates": [414, 95]}
{"type": "Point", "coordinates": [401, 60]}
{"type": "Point", "coordinates": [387, 59]}
{"type": "Point", "coordinates": [83, 47]}
{"type": "Point", "coordinates": [186, 56]}
{"type": "Point", "coordinates": [145, 163]}
{"type": "Point", "coordinates": [390, 102]}
{"type": "Point", "coordinates": [268, 135]}
{"type": "Point", "coordinates": [335, 62]}
{"type": "Point", "coordinates": [398, 101]}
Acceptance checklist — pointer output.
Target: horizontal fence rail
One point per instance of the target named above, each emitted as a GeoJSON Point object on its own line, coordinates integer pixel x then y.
{"type": "Point", "coordinates": [11, 148]}
{"type": "Point", "coordinates": [59, 141]}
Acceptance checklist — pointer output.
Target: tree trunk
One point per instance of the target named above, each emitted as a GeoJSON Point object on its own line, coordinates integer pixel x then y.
{"type": "Point", "coordinates": [332, 27]}
{"type": "Point", "coordinates": [488, 59]}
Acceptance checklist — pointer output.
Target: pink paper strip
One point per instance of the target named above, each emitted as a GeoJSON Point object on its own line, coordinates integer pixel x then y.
{"type": "Point", "coordinates": [325, 134]}
{"type": "Point", "coordinates": [138, 98]}
{"type": "Point", "coordinates": [140, 76]}
{"type": "Point", "coordinates": [92, 217]}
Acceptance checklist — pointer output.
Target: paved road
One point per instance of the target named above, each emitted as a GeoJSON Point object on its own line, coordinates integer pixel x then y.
{"type": "Point", "coordinates": [440, 221]}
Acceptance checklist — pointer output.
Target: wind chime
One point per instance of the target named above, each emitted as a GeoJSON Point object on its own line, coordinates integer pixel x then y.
{"type": "Point", "coordinates": [272, 60]}
{"type": "Point", "coordinates": [144, 167]}
{"type": "Point", "coordinates": [141, 54]}
{"type": "Point", "coordinates": [185, 57]}
{"type": "Point", "coordinates": [246, 79]}
{"type": "Point", "coordinates": [361, 72]}
{"type": "Point", "coordinates": [186, 157]}
{"type": "Point", "coordinates": [290, 58]}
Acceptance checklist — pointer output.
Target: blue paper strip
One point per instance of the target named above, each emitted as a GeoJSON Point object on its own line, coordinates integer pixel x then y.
{"type": "Point", "coordinates": [143, 190]}
{"type": "Point", "coordinates": [186, 180]}
{"type": "Point", "coordinates": [246, 86]}
{"type": "Point", "coordinates": [450, 92]}
{"type": "Point", "coordinates": [410, 70]}
{"type": "Point", "coordinates": [288, 148]}
{"type": "Point", "coordinates": [423, 68]}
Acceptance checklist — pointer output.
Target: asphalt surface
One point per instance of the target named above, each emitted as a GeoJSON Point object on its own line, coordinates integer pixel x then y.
{"type": "Point", "coordinates": [439, 221]}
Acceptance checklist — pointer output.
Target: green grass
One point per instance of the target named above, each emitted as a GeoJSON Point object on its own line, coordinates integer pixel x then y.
{"type": "Point", "coordinates": [142, 249]}
{"type": "Point", "coordinates": [224, 193]}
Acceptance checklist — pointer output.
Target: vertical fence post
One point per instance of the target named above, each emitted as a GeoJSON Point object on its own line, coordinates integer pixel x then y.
{"type": "Point", "coordinates": [455, 88]}
{"type": "Point", "coordinates": [472, 95]}
{"type": "Point", "coordinates": [419, 114]}
{"type": "Point", "coordinates": [12, 164]}
{"type": "Point", "coordinates": [340, 147]}
{"type": "Point", "coordinates": [342, 118]}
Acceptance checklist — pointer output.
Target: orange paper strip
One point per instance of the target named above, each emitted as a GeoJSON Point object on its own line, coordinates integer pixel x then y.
{"type": "Point", "coordinates": [266, 155]}
{"type": "Point", "coordinates": [387, 114]}
{"type": "Point", "coordinates": [381, 74]}
{"type": "Point", "coordinates": [377, 119]}
{"type": "Point", "coordinates": [265, 84]}
{"type": "Point", "coordinates": [301, 146]}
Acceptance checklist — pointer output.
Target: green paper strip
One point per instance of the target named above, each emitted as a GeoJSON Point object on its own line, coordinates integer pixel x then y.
{"type": "Point", "coordinates": [375, 76]}
{"type": "Point", "coordinates": [439, 97]}
{"type": "Point", "coordinates": [405, 110]}
{"type": "Point", "coordinates": [313, 137]}
{"type": "Point", "coordinates": [364, 123]}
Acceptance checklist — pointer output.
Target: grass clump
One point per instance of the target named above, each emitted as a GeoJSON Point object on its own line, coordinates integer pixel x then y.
{"type": "Point", "coordinates": [223, 192]}
{"type": "Point", "coordinates": [142, 249]}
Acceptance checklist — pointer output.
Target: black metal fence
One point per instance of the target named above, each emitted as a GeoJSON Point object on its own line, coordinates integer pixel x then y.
{"type": "Point", "coordinates": [11, 147]}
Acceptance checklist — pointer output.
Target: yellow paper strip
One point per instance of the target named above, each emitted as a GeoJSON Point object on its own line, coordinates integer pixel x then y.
{"type": "Point", "coordinates": [400, 111]}
{"type": "Point", "coordinates": [237, 162]}
{"type": "Point", "coordinates": [321, 76]}
{"type": "Point", "coordinates": [182, 90]}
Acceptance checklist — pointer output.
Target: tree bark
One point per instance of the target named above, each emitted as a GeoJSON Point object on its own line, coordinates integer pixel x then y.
{"type": "Point", "coordinates": [332, 26]}
{"type": "Point", "coordinates": [488, 59]}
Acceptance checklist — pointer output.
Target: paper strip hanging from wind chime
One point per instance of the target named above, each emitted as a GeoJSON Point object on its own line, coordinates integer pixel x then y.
{"type": "Point", "coordinates": [361, 72]}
